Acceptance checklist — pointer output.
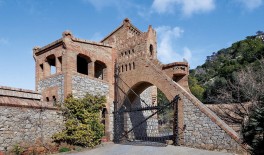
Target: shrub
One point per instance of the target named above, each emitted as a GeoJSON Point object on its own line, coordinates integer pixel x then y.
{"type": "Point", "coordinates": [253, 131]}
{"type": "Point", "coordinates": [17, 149]}
{"type": "Point", "coordinates": [64, 149]}
{"type": "Point", "coordinates": [82, 126]}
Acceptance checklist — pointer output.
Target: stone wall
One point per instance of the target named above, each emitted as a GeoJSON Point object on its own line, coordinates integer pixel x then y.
{"type": "Point", "coordinates": [81, 85]}
{"type": "Point", "coordinates": [25, 119]}
{"type": "Point", "coordinates": [28, 126]}
{"type": "Point", "coordinates": [57, 82]}
{"type": "Point", "coordinates": [202, 132]}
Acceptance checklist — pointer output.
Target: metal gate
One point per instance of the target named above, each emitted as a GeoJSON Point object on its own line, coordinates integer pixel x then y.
{"type": "Point", "coordinates": [145, 124]}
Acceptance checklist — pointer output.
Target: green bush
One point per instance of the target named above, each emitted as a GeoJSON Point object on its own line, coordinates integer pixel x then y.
{"type": "Point", "coordinates": [64, 149]}
{"type": "Point", "coordinates": [253, 131]}
{"type": "Point", "coordinates": [17, 149]}
{"type": "Point", "coordinates": [82, 126]}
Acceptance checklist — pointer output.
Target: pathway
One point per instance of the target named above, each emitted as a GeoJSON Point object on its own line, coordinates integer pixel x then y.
{"type": "Point", "coordinates": [117, 149]}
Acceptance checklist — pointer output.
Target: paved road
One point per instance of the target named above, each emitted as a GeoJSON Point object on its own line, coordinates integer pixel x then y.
{"type": "Point", "coordinates": [117, 149]}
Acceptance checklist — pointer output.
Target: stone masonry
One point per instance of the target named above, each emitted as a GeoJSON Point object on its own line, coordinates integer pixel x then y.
{"type": "Point", "coordinates": [202, 132]}
{"type": "Point", "coordinates": [26, 120]}
{"type": "Point", "coordinates": [81, 86]}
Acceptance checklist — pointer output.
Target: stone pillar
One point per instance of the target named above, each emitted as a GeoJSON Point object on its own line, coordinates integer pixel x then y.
{"type": "Point", "coordinates": [46, 68]}
{"type": "Point", "coordinates": [181, 126]}
{"type": "Point", "coordinates": [91, 68]}
{"type": "Point", "coordinates": [58, 65]}
{"type": "Point", "coordinates": [69, 68]}
{"type": "Point", "coordinates": [40, 71]}
{"type": "Point", "coordinates": [105, 74]}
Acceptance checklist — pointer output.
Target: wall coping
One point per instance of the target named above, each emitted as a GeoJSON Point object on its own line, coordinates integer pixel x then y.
{"type": "Point", "coordinates": [90, 42]}
{"type": "Point", "coordinates": [20, 93]}
{"type": "Point", "coordinates": [26, 103]}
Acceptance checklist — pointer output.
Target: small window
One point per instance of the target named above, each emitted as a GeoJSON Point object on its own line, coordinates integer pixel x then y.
{"type": "Point", "coordinates": [54, 98]}
{"type": "Point", "coordinates": [151, 49]}
{"type": "Point", "coordinates": [129, 66]}
{"type": "Point", "coordinates": [122, 68]}
{"type": "Point", "coordinates": [47, 99]}
{"type": "Point", "coordinates": [134, 65]}
{"type": "Point", "coordinates": [126, 67]}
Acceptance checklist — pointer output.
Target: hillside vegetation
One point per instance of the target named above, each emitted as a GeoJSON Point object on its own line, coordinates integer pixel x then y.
{"type": "Point", "coordinates": [222, 67]}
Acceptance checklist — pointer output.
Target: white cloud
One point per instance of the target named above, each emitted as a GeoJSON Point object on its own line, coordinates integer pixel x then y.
{"type": "Point", "coordinates": [167, 36]}
{"type": "Point", "coordinates": [188, 7]}
{"type": "Point", "coordinates": [162, 6]}
{"type": "Point", "coordinates": [250, 4]}
{"type": "Point", "coordinates": [4, 41]}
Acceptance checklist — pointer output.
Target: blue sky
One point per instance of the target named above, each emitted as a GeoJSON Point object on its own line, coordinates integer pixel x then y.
{"type": "Point", "coordinates": [190, 29]}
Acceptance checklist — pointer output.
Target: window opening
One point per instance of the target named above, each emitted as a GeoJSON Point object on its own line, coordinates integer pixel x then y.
{"type": "Point", "coordinates": [82, 64]}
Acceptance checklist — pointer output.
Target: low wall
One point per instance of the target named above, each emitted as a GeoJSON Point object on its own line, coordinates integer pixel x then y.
{"type": "Point", "coordinates": [26, 120]}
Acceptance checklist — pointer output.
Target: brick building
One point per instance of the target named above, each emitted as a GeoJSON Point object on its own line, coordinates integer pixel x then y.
{"type": "Point", "coordinates": [75, 66]}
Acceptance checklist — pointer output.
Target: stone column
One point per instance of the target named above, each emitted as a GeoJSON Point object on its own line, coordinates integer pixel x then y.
{"type": "Point", "coordinates": [91, 68]}
{"type": "Point", "coordinates": [46, 68]}
{"type": "Point", "coordinates": [58, 65]}
{"type": "Point", "coordinates": [105, 74]}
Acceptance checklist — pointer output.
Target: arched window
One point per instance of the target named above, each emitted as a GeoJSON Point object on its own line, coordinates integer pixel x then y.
{"type": "Point", "coordinates": [99, 70]}
{"type": "Point", "coordinates": [126, 67]}
{"type": "Point", "coordinates": [82, 64]}
{"type": "Point", "coordinates": [122, 68]}
{"type": "Point", "coordinates": [151, 49]}
{"type": "Point", "coordinates": [52, 64]}
{"type": "Point", "coordinates": [134, 67]}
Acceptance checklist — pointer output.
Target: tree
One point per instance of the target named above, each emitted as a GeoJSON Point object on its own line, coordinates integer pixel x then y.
{"type": "Point", "coordinates": [196, 89]}
{"type": "Point", "coordinates": [82, 126]}
{"type": "Point", "coordinates": [247, 87]}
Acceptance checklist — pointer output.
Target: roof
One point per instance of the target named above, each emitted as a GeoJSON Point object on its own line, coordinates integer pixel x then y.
{"type": "Point", "coordinates": [125, 21]}
{"type": "Point", "coordinates": [39, 50]}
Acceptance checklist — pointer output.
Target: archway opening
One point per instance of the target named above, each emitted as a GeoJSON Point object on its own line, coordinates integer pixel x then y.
{"type": "Point", "coordinates": [52, 63]}
{"type": "Point", "coordinates": [146, 114]}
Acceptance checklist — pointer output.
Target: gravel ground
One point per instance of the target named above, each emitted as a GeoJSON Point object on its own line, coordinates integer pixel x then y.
{"type": "Point", "coordinates": [118, 149]}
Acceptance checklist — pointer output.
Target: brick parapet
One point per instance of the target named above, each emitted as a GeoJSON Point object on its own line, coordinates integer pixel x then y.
{"type": "Point", "coordinates": [21, 93]}
{"type": "Point", "coordinates": [25, 103]}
